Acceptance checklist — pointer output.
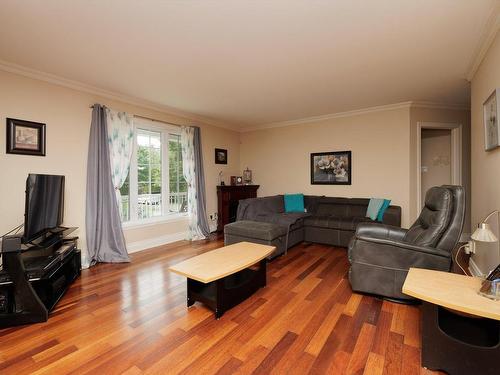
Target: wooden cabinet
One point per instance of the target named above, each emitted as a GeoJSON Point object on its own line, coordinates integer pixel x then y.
{"type": "Point", "coordinates": [227, 198]}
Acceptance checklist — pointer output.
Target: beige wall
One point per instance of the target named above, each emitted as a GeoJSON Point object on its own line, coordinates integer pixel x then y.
{"type": "Point", "coordinates": [485, 165]}
{"type": "Point", "coordinates": [67, 115]}
{"type": "Point", "coordinates": [419, 114]}
{"type": "Point", "coordinates": [379, 141]}
{"type": "Point", "coordinates": [435, 159]}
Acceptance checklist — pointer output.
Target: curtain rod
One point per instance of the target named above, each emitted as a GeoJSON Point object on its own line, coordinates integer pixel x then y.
{"type": "Point", "coordinates": [150, 119]}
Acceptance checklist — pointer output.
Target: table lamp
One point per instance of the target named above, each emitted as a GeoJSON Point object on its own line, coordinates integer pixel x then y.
{"type": "Point", "coordinates": [491, 286]}
{"type": "Point", "coordinates": [483, 232]}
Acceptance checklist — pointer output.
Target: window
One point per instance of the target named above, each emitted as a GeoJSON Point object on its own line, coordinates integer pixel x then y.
{"type": "Point", "coordinates": [155, 186]}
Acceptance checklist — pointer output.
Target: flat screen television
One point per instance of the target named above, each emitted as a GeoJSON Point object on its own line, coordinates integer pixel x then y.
{"type": "Point", "coordinates": [44, 206]}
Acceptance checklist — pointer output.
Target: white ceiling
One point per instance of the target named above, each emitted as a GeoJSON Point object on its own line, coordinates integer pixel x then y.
{"type": "Point", "coordinates": [252, 62]}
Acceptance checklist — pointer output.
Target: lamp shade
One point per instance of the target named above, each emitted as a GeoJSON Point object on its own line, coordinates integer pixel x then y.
{"type": "Point", "coordinates": [483, 233]}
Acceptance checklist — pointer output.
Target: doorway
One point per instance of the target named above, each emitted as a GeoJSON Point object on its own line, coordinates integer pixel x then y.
{"type": "Point", "coordinates": [439, 150]}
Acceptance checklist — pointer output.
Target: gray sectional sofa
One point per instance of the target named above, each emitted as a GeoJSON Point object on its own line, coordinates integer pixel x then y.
{"type": "Point", "coordinates": [327, 220]}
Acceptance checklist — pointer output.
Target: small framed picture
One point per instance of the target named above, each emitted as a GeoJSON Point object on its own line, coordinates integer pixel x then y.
{"type": "Point", "coordinates": [25, 137]}
{"type": "Point", "coordinates": [220, 156]}
{"type": "Point", "coordinates": [331, 168]}
{"type": "Point", "coordinates": [491, 110]}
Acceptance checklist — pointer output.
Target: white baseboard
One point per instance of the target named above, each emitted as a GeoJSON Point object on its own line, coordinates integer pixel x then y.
{"type": "Point", "coordinates": [465, 237]}
{"type": "Point", "coordinates": [474, 269]}
{"type": "Point", "coordinates": [134, 247]}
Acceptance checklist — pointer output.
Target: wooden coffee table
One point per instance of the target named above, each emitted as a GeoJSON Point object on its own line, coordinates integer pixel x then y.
{"type": "Point", "coordinates": [223, 278]}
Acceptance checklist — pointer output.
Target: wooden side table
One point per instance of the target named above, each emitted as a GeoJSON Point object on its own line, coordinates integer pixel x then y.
{"type": "Point", "coordinates": [460, 328]}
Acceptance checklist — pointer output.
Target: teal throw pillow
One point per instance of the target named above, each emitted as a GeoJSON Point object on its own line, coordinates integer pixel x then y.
{"type": "Point", "coordinates": [294, 202]}
{"type": "Point", "coordinates": [382, 210]}
{"type": "Point", "coordinates": [374, 208]}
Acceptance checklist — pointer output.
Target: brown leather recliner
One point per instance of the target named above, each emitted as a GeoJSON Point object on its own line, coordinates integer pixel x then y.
{"type": "Point", "coordinates": [381, 255]}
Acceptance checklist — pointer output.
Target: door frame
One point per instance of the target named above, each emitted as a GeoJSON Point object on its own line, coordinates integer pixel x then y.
{"type": "Point", "coordinates": [456, 153]}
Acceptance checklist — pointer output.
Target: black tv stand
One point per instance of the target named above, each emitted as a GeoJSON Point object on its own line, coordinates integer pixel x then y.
{"type": "Point", "coordinates": [35, 276]}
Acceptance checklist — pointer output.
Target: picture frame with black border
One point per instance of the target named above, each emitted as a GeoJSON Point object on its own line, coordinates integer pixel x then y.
{"type": "Point", "coordinates": [331, 168]}
{"type": "Point", "coordinates": [220, 156]}
{"type": "Point", "coordinates": [25, 137]}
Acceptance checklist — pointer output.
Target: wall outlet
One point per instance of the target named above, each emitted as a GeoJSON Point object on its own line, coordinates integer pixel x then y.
{"type": "Point", "coordinates": [470, 248]}
{"type": "Point", "coordinates": [213, 216]}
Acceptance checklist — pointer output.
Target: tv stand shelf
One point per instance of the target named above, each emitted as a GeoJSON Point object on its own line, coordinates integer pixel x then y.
{"type": "Point", "coordinates": [34, 278]}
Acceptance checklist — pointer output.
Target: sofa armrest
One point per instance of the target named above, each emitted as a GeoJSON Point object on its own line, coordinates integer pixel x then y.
{"type": "Point", "coordinates": [380, 231]}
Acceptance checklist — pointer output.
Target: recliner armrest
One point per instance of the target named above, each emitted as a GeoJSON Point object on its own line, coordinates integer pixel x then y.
{"type": "Point", "coordinates": [380, 231]}
{"type": "Point", "coordinates": [405, 246]}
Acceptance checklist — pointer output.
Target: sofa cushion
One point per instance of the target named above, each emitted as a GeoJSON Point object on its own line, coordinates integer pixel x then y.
{"type": "Point", "coordinates": [374, 208]}
{"type": "Point", "coordinates": [250, 209]}
{"type": "Point", "coordinates": [255, 229]}
{"type": "Point", "coordinates": [333, 222]}
{"type": "Point", "coordinates": [382, 210]}
{"type": "Point", "coordinates": [322, 221]}
{"type": "Point", "coordinates": [311, 202]}
{"type": "Point", "coordinates": [294, 202]}
{"type": "Point", "coordinates": [284, 219]}
{"type": "Point", "coordinates": [332, 207]}
{"type": "Point", "coordinates": [351, 223]}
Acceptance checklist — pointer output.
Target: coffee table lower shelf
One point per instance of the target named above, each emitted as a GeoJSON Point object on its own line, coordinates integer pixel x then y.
{"type": "Point", "coordinates": [223, 294]}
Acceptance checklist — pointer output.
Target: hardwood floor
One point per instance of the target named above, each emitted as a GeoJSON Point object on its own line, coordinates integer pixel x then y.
{"type": "Point", "coordinates": [131, 318]}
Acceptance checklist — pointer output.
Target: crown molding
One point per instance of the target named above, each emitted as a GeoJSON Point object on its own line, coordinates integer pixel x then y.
{"type": "Point", "coordinates": [357, 112]}
{"type": "Point", "coordinates": [304, 120]}
{"type": "Point", "coordinates": [489, 33]}
{"type": "Point", "coordinates": [438, 105]}
{"type": "Point", "coordinates": [83, 87]}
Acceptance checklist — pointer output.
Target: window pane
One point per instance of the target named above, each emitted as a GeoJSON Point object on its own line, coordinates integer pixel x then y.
{"type": "Point", "coordinates": [155, 156]}
{"type": "Point", "coordinates": [125, 201]}
{"type": "Point", "coordinates": [177, 183]}
{"type": "Point", "coordinates": [143, 188]}
{"type": "Point", "coordinates": [143, 206]}
{"type": "Point", "coordinates": [156, 173]}
{"type": "Point", "coordinates": [143, 138]}
{"type": "Point", "coordinates": [156, 188]}
{"type": "Point", "coordinates": [143, 173]}
{"type": "Point", "coordinates": [156, 205]}
{"type": "Point", "coordinates": [143, 155]}
{"type": "Point", "coordinates": [155, 141]}
{"type": "Point", "coordinates": [149, 176]}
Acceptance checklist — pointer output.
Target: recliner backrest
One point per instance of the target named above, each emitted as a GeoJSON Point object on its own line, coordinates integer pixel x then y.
{"type": "Point", "coordinates": [434, 218]}
{"type": "Point", "coordinates": [451, 236]}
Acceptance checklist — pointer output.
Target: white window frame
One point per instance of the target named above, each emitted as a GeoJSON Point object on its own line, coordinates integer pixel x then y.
{"type": "Point", "coordinates": [165, 130]}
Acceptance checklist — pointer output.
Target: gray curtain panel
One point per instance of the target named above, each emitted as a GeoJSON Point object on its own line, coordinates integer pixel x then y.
{"type": "Point", "coordinates": [200, 183]}
{"type": "Point", "coordinates": [105, 241]}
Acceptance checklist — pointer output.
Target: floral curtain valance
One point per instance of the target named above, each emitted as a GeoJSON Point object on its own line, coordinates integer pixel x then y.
{"type": "Point", "coordinates": [121, 143]}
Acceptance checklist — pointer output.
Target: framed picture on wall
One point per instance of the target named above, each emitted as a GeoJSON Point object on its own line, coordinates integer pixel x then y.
{"type": "Point", "coordinates": [491, 109]}
{"type": "Point", "coordinates": [331, 168]}
{"type": "Point", "coordinates": [220, 156]}
{"type": "Point", "coordinates": [25, 137]}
